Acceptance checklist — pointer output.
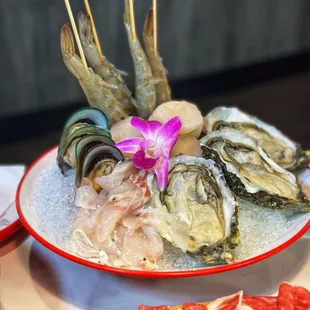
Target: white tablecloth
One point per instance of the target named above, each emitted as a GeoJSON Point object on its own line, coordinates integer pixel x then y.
{"type": "Point", "coordinates": [32, 277]}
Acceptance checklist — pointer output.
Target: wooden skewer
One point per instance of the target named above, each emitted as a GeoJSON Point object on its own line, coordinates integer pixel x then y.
{"type": "Point", "coordinates": [132, 20]}
{"type": "Point", "coordinates": [155, 24]}
{"type": "Point", "coordinates": [89, 13]}
{"type": "Point", "coordinates": [76, 35]}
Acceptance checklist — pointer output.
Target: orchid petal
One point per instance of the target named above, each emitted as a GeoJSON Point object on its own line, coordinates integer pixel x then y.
{"type": "Point", "coordinates": [143, 162]}
{"type": "Point", "coordinates": [148, 129]}
{"type": "Point", "coordinates": [168, 135]}
{"type": "Point", "coordinates": [146, 144]}
{"type": "Point", "coordinates": [161, 171]}
{"type": "Point", "coordinates": [129, 145]}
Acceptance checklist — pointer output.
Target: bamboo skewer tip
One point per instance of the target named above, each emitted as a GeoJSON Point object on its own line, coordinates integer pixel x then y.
{"type": "Point", "coordinates": [93, 27]}
{"type": "Point", "coordinates": [76, 35]}
{"type": "Point", "coordinates": [132, 20]}
{"type": "Point", "coordinates": [155, 25]}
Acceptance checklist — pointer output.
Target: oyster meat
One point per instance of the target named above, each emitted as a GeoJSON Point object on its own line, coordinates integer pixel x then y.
{"type": "Point", "coordinates": [280, 148]}
{"type": "Point", "coordinates": [197, 211]}
{"type": "Point", "coordinates": [251, 173]}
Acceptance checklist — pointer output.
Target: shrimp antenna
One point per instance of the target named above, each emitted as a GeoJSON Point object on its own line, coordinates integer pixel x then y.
{"type": "Point", "coordinates": [76, 35]}
{"type": "Point", "coordinates": [93, 27]}
{"type": "Point", "coordinates": [132, 20]}
{"type": "Point", "coordinates": [155, 25]}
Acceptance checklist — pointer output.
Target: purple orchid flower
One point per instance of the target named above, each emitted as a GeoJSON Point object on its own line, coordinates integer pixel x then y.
{"type": "Point", "coordinates": [154, 149]}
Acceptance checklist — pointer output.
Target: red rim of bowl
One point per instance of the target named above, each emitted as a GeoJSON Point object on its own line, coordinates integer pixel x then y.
{"type": "Point", "coordinates": [8, 231]}
{"type": "Point", "coordinates": [140, 273]}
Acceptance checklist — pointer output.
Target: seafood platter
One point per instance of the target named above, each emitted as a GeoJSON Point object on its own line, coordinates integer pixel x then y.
{"type": "Point", "coordinates": [141, 184]}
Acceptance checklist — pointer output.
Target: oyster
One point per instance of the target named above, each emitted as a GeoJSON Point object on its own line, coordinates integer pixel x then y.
{"type": "Point", "coordinates": [251, 173]}
{"type": "Point", "coordinates": [280, 148]}
{"type": "Point", "coordinates": [66, 157]}
{"type": "Point", "coordinates": [197, 211]}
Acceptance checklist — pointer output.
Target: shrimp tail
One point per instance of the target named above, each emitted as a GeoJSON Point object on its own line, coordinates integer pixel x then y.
{"type": "Point", "coordinates": [85, 29]}
{"type": "Point", "coordinates": [163, 91]}
{"type": "Point", "coordinates": [70, 58]}
{"type": "Point", "coordinates": [145, 88]}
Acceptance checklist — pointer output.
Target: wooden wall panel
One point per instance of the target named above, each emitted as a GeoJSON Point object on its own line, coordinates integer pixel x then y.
{"type": "Point", "coordinates": [195, 37]}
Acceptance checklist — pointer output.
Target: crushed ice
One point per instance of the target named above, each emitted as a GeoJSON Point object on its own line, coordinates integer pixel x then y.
{"type": "Point", "coordinates": [53, 204]}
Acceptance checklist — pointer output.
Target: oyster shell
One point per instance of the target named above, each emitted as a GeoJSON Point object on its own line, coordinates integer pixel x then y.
{"type": "Point", "coordinates": [251, 173]}
{"type": "Point", "coordinates": [197, 211]}
{"type": "Point", "coordinates": [280, 148]}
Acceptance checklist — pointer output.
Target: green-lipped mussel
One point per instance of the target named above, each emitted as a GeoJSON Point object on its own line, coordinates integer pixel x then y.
{"type": "Point", "coordinates": [83, 117]}
{"type": "Point", "coordinates": [96, 161]}
{"type": "Point", "coordinates": [83, 146]}
{"type": "Point", "coordinates": [66, 157]}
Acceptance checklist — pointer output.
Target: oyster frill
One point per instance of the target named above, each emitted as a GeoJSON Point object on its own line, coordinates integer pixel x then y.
{"type": "Point", "coordinates": [197, 211]}
{"type": "Point", "coordinates": [251, 173]}
{"type": "Point", "coordinates": [280, 148]}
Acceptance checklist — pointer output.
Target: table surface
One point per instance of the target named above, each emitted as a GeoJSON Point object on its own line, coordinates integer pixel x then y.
{"type": "Point", "coordinates": [32, 277]}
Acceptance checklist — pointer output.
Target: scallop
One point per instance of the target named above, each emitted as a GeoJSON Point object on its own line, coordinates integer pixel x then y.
{"type": "Point", "coordinates": [189, 114]}
{"type": "Point", "coordinates": [187, 145]}
{"type": "Point", "coordinates": [123, 130]}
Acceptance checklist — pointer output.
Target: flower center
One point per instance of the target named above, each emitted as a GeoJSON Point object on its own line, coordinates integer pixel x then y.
{"type": "Point", "coordinates": [151, 151]}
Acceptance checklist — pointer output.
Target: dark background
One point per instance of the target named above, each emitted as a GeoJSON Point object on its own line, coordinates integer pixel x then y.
{"type": "Point", "coordinates": [248, 53]}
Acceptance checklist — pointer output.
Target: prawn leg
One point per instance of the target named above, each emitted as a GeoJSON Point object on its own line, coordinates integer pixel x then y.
{"type": "Point", "coordinates": [163, 91]}
{"type": "Point", "coordinates": [145, 89]}
{"type": "Point", "coordinates": [95, 89]}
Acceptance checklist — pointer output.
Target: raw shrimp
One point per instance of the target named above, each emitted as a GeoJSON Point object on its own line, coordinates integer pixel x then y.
{"type": "Point", "coordinates": [163, 92]}
{"type": "Point", "coordinates": [98, 92]}
{"type": "Point", "coordinates": [145, 82]}
{"type": "Point", "coordinates": [104, 67]}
